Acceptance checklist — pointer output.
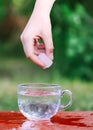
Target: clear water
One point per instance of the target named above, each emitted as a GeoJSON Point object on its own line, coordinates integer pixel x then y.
{"type": "Point", "coordinates": [38, 105]}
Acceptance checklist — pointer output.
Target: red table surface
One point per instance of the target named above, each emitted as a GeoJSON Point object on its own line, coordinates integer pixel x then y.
{"type": "Point", "coordinates": [61, 121]}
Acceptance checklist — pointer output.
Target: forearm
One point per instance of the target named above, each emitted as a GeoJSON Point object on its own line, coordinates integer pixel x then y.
{"type": "Point", "coordinates": [43, 6]}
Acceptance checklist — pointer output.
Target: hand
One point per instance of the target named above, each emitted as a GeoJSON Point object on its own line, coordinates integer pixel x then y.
{"type": "Point", "coordinates": [38, 27]}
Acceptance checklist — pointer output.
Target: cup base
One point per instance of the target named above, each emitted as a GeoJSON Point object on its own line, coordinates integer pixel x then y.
{"type": "Point", "coordinates": [34, 124]}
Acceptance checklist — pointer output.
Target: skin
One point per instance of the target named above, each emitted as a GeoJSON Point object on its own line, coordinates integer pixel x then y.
{"type": "Point", "coordinates": [38, 27]}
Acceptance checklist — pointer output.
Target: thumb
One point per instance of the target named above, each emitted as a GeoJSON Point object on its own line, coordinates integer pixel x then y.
{"type": "Point", "coordinates": [49, 48]}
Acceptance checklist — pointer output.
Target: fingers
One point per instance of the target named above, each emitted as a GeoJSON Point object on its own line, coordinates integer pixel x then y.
{"type": "Point", "coordinates": [33, 48]}
{"type": "Point", "coordinates": [28, 46]}
{"type": "Point", "coordinates": [49, 46]}
{"type": "Point", "coordinates": [39, 43]}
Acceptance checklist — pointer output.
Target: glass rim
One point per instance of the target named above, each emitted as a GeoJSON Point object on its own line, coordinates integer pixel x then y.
{"type": "Point", "coordinates": [39, 85]}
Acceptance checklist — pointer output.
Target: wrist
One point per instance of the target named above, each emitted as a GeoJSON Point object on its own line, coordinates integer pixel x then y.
{"type": "Point", "coordinates": [43, 6]}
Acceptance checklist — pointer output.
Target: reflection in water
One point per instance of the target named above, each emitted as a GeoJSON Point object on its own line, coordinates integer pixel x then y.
{"type": "Point", "coordinates": [37, 125]}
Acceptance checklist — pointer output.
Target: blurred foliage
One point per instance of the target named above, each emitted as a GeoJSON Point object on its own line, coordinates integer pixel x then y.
{"type": "Point", "coordinates": [73, 38]}
{"type": "Point", "coordinates": [23, 7]}
{"type": "Point", "coordinates": [72, 33]}
{"type": "Point", "coordinates": [4, 9]}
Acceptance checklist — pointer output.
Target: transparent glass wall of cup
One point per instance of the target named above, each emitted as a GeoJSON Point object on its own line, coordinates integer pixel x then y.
{"type": "Point", "coordinates": [41, 101]}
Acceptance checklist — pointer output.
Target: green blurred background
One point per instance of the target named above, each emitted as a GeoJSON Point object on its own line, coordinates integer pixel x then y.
{"type": "Point", "coordinates": [72, 23]}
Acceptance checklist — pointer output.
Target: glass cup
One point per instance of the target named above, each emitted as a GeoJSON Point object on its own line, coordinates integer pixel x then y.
{"type": "Point", "coordinates": [41, 101]}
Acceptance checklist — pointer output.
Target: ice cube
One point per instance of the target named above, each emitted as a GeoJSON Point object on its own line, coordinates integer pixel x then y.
{"type": "Point", "coordinates": [45, 59]}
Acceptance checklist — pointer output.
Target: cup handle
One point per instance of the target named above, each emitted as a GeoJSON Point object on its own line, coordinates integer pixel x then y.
{"type": "Point", "coordinates": [70, 101]}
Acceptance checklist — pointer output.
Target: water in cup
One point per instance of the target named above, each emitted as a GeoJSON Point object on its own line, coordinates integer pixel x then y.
{"type": "Point", "coordinates": [38, 104]}
{"type": "Point", "coordinates": [41, 101]}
